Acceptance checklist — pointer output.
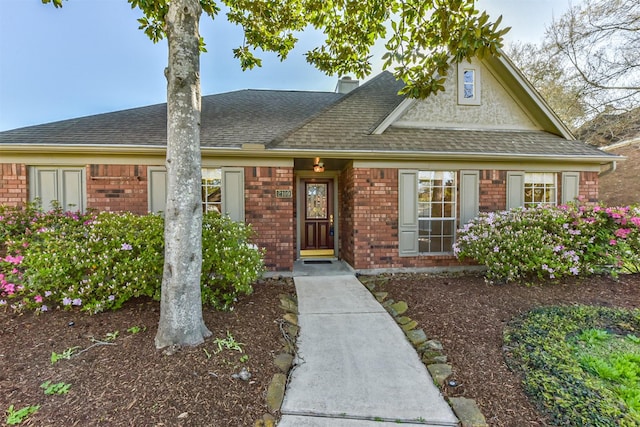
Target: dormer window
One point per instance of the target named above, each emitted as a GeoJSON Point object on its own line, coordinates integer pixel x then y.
{"type": "Point", "coordinates": [468, 84]}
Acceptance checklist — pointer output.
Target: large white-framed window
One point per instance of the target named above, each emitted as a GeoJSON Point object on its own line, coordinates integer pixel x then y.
{"type": "Point", "coordinates": [427, 212]}
{"type": "Point", "coordinates": [469, 83]}
{"type": "Point", "coordinates": [436, 211]}
{"type": "Point", "coordinates": [540, 188]}
{"type": "Point", "coordinates": [222, 190]}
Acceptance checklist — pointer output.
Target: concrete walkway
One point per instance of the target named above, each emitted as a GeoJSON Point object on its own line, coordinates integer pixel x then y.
{"type": "Point", "coordinates": [355, 368]}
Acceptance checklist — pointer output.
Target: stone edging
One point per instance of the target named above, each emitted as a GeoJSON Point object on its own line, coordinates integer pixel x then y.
{"type": "Point", "coordinates": [283, 360]}
{"type": "Point", "coordinates": [430, 351]}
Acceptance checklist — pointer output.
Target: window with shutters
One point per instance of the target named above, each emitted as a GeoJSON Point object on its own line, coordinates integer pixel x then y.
{"type": "Point", "coordinates": [222, 190]}
{"type": "Point", "coordinates": [64, 187]}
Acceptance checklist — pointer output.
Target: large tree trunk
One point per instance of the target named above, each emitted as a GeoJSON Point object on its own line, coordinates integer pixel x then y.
{"type": "Point", "coordinates": [181, 320]}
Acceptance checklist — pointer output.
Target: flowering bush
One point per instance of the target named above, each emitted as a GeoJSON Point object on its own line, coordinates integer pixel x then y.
{"type": "Point", "coordinates": [552, 242]}
{"type": "Point", "coordinates": [99, 261]}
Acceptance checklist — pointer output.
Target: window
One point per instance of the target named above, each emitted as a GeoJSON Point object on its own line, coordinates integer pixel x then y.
{"type": "Point", "coordinates": [436, 211]}
{"type": "Point", "coordinates": [539, 189]}
{"type": "Point", "coordinates": [468, 83]}
{"type": "Point", "coordinates": [222, 190]}
{"type": "Point", "coordinates": [212, 190]}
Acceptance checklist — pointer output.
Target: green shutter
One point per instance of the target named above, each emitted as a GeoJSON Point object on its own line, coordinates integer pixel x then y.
{"type": "Point", "coordinates": [469, 195]}
{"type": "Point", "coordinates": [408, 212]}
{"type": "Point", "coordinates": [233, 193]}
{"type": "Point", "coordinates": [66, 186]}
{"type": "Point", "coordinates": [515, 190]}
{"type": "Point", "coordinates": [157, 189]}
{"type": "Point", "coordinates": [570, 186]}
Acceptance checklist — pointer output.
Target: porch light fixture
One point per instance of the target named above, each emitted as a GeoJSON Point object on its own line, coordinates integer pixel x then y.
{"type": "Point", "coordinates": [318, 166]}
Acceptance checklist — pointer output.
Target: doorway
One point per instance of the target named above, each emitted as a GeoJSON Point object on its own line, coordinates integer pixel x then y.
{"type": "Point", "coordinates": [317, 218]}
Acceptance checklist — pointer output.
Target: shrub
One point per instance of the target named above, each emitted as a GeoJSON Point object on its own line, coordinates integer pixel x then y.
{"type": "Point", "coordinates": [230, 262]}
{"type": "Point", "coordinates": [100, 261]}
{"type": "Point", "coordinates": [552, 242]}
{"type": "Point", "coordinates": [541, 345]}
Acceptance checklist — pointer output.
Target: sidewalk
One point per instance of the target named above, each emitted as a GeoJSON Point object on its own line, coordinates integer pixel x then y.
{"type": "Point", "coordinates": [355, 367]}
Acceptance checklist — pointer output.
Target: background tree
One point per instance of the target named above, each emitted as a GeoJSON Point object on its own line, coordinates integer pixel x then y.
{"type": "Point", "coordinates": [544, 69]}
{"type": "Point", "coordinates": [426, 36]}
{"type": "Point", "coordinates": [588, 63]}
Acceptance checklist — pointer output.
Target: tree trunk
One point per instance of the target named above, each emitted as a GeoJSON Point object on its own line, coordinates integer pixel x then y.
{"type": "Point", "coordinates": [181, 321]}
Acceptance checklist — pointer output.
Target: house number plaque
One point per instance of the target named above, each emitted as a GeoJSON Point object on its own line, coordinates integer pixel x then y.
{"type": "Point", "coordinates": [284, 194]}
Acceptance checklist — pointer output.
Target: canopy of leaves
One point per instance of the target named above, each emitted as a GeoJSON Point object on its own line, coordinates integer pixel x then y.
{"type": "Point", "coordinates": [422, 38]}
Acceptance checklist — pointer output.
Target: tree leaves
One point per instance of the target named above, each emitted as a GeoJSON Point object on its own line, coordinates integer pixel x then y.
{"type": "Point", "coordinates": [425, 37]}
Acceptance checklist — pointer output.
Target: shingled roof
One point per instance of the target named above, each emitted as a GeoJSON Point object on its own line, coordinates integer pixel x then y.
{"type": "Point", "coordinates": [228, 120]}
{"type": "Point", "coordinates": [291, 121]}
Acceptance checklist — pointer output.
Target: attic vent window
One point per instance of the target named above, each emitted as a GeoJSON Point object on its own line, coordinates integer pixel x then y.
{"type": "Point", "coordinates": [468, 84]}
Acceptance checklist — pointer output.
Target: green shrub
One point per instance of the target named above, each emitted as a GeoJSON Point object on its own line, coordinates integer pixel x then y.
{"type": "Point", "coordinates": [542, 346]}
{"type": "Point", "coordinates": [553, 242]}
{"type": "Point", "coordinates": [100, 261]}
{"type": "Point", "coordinates": [230, 262]}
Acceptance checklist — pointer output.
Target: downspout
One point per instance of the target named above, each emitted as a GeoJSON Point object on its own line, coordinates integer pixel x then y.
{"type": "Point", "coordinates": [611, 168]}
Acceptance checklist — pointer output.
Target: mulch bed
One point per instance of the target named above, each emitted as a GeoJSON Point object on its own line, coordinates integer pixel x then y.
{"type": "Point", "coordinates": [132, 384]}
{"type": "Point", "coordinates": [468, 315]}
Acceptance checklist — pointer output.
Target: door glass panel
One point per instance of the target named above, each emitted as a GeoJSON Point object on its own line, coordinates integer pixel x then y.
{"type": "Point", "coordinates": [317, 201]}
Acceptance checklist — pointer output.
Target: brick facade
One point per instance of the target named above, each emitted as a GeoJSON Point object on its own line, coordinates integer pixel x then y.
{"type": "Point", "coordinates": [493, 190]}
{"type": "Point", "coordinates": [14, 185]}
{"type": "Point", "coordinates": [117, 188]}
{"type": "Point", "coordinates": [367, 208]}
{"type": "Point", "coordinates": [273, 219]}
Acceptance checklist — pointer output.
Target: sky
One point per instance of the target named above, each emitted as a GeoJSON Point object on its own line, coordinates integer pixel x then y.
{"type": "Point", "coordinates": [89, 57]}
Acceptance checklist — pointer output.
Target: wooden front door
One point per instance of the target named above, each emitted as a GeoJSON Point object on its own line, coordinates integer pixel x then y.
{"type": "Point", "coordinates": [318, 230]}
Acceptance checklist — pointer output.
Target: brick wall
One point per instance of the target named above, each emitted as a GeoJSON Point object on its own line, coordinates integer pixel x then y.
{"type": "Point", "coordinates": [14, 186]}
{"type": "Point", "coordinates": [272, 219]}
{"type": "Point", "coordinates": [588, 187]}
{"type": "Point", "coordinates": [117, 188]}
{"type": "Point", "coordinates": [493, 190]}
{"type": "Point", "coordinates": [346, 207]}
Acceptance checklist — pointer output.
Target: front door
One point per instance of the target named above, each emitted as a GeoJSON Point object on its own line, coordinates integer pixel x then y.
{"type": "Point", "coordinates": [318, 230]}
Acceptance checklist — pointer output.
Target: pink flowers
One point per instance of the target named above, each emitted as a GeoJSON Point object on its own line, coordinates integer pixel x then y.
{"type": "Point", "coordinates": [16, 260]}
{"type": "Point", "coordinates": [622, 232]}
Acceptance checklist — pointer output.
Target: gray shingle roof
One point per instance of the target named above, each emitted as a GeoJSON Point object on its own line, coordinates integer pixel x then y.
{"type": "Point", "coordinates": [291, 121]}
{"type": "Point", "coordinates": [228, 120]}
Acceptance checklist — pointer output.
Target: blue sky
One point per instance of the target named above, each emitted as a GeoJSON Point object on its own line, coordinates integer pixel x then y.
{"type": "Point", "coordinates": [89, 57]}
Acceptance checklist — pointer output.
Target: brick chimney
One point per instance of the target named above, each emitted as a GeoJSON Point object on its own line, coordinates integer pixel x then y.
{"type": "Point", "coordinates": [346, 84]}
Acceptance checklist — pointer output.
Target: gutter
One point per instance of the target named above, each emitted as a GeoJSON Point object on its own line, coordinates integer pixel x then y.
{"type": "Point", "coordinates": [258, 150]}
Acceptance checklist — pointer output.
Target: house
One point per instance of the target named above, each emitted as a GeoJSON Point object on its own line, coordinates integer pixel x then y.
{"type": "Point", "coordinates": [378, 180]}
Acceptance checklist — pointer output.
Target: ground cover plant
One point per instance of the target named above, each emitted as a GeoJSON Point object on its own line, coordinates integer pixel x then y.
{"type": "Point", "coordinates": [581, 364]}
{"type": "Point", "coordinates": [549, 242]}
{"type": "Point", "coordinates": [98, 261]}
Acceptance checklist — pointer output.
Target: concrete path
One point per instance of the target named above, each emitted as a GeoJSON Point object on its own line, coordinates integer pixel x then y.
{"type": "Point", "coordinates": [355, 368]}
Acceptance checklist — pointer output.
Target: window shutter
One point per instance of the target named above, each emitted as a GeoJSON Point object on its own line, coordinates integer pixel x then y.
{"type": "Point", "coordinates": [469, 195]}
{"type": "Point", "coordinates": [44, 185]}
{"type": "Point", "coordinates": [72, 184]}
{"type": "Point", "coordinates": [408, 212]}
{"type": "Point", "coordinates": [63, 185]}
{"type": "Point", "coordinates": [233, 193]}
{"type": "Point", "coordinates": [570, 186]}
{"type": "Point", "coordinates": [157, 189]}
{"type": "Point", "coordinates": [515, 190]}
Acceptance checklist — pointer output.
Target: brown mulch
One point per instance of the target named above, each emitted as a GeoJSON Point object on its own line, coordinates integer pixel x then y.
{"type": "Point", "coordinates": [468, 315]}
{"type": "Point", "coordinates": [131, 383]}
